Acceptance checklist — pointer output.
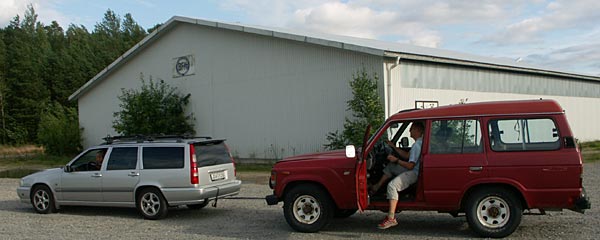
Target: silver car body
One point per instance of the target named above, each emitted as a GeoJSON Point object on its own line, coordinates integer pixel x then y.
{"type": "Point", "coordinates": [118, 188]}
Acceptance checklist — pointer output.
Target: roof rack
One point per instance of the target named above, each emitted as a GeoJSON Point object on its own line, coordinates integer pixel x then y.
{"type": "Point", "coordinates": [148, 138]}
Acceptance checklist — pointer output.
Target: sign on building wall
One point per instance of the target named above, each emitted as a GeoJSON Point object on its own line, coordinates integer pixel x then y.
{"type": "Point", "coordinates": [183, 66]}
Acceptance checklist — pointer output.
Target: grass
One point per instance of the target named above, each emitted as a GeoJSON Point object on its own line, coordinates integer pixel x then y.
{"type": "Point", "coordinates": [253, 167]}
{"type": "Point", "coordinates": [38, 161]}
{"type": "Point", "coordinates": [20, 150]}
{"type": "Point", "coordinates": [590, 151]}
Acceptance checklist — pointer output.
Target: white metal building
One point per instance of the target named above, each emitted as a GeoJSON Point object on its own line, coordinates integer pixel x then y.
{"type": "Point", "coordinates": [274, 93]}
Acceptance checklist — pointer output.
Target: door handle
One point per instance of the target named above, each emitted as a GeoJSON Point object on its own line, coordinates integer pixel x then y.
{"type": "Point", "coordinates": [133, 174]}
{"type": "Point", "coordinates": [476, 169]}
{"type": "Point", "coordinates": [97, 175]}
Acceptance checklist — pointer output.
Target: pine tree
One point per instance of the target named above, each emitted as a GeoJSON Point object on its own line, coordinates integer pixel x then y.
{"type": "Point", "coordinates": [27, 46]}
{"type": "Point", "coordinates": [132, 31]}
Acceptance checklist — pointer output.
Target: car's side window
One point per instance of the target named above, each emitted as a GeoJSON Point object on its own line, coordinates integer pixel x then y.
{"type": "Point", "coordinates": [163, 157]}
{"type": "Point", "coordinates": [90, 161]}
{"type": "Point", "coordinates": [523, 134]}
{"type": "Point", "coordinates": [455, 136]}
{"type": "Point", "coordinates": [122, 158]}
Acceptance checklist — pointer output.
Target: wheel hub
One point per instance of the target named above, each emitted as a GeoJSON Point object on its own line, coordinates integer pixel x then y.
{"type": "Point", "coordinates": [493, 211]}
{"type": "Point", "coordinates": [307, 208]}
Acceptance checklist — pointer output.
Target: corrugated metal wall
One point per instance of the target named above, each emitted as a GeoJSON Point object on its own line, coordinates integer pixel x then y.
{"type": "Point", "coordinates": [449, 84]}
{"type": "Point", "coordinates": [269, 97]}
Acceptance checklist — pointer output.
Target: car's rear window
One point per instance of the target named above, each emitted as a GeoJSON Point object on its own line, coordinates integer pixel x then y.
{"type": "Point", "coordinates": [163, 157]}
{"type": "Point", "coordinates": [211, 154]}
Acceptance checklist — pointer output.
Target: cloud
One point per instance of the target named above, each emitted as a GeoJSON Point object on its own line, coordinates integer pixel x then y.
{"type": "Point", "coordinates": [582, 58]}
{"type": "Point", "coordinates": [556, 16]}
{"type": "Point", "coordinates": [416, 22]}
{"type": "Point", "coordinates": [45, 9]}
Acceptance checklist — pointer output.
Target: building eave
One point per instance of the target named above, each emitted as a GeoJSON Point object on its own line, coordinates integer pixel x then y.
{"type": "Point", "coordinates": [367, 46]}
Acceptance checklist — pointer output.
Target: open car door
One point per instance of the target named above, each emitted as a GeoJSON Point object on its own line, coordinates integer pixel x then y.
{"type": "Point", "coordinates": [362, 195]}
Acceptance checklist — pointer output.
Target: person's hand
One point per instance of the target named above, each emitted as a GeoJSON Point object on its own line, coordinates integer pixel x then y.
{"type": "Point", "coordinates": [392, 158]}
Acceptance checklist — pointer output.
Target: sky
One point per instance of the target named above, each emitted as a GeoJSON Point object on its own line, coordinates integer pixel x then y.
{"type": "Point", "coordinates": [559, 34]}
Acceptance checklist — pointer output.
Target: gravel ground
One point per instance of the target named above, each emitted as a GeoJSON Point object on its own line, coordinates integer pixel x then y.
{"type": "Point", "coordinates": [253, 219]}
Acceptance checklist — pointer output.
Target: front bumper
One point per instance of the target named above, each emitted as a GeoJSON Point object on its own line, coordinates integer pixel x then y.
{"type": "Point", "coordinates": [23, 193]}
{"type": "Point", "coordinates": [272, 199]}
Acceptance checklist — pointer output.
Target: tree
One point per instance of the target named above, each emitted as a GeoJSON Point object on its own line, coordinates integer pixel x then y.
{"type": "Point", "coordinates": [107, 38]}
{"type": "Point", "coordinates": [154, 109]}
{"type": "Point", "coordinates": [3, 90]}
{"type": "Point", "coordinates": [59, 130]}
{"type": "Point", "coordinates": [41, 64]}
{"type": "Point", "coordinates": [366, 107]}
{"type": "Point", "coordinates": [26, 49]}
{"type": "Point", "coordinates": [132, 32]}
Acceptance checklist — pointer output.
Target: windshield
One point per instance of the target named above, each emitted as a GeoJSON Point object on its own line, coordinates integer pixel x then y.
{"type": "Point", "coordinates": [393, 132]}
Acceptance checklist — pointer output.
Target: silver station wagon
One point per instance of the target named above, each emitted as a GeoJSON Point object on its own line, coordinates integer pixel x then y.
{"type": "Point", "coordinates": [150, 174]}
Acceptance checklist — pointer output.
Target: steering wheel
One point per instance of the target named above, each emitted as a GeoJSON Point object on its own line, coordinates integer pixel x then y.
{"type": "Point", "coordinates": [379, 154]}
{"type": "Point", "coordinates": [92, 166]}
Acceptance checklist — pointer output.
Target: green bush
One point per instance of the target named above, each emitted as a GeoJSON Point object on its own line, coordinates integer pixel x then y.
{"type": "Point", "coordinates": [59, 130]}
{"type": "Point", "coordinates": [367, 109]}
{"type": "Point", "coordinates": [154, 109]}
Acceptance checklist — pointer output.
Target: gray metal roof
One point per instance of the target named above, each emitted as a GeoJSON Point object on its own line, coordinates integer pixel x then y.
{"type": "Point", "coordinates": [369, 46]}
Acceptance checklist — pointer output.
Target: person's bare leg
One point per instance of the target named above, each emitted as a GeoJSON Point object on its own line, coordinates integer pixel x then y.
{"type": "Point", "coordinates": [383, 179]}
{"type": "Point", "coordinates": [392, 211]}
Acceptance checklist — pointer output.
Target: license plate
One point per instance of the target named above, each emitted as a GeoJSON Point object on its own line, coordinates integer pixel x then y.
{"type": "Point", "coordinates": [214, 176]}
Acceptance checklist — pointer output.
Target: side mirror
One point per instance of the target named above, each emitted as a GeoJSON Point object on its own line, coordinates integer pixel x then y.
{"type": "Point", "coordinates": [68, 168]}
{"type": "Point", "coordinates": [404, 142]}
{"type": "Point", "coordinates": [350, 151]}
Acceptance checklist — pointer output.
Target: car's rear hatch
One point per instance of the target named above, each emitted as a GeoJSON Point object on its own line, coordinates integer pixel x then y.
{"type": "Point", "coordinates": [214, 163]}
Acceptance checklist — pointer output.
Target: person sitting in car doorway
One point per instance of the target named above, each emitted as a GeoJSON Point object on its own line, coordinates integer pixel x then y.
{"type": "Point", "coordinates": [406, 173]}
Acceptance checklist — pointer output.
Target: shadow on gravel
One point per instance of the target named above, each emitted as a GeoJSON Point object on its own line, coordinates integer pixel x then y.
{"type": "Point", "coordinates": [100, 211]}
{"type": "Point", "coordinates": [233, 223]}
{"type": "Point", "coordinates": [271, 224]}
{"type": "Point", "coordinates": [15, 206]}
{"type": "Point", "coordinates": [409, 224]}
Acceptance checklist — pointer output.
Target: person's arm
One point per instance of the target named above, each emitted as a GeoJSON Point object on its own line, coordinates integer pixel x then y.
{"type": "Point", "coordinates": [407, 165]}
{"type": "Point", "coordinates": [402, 153]}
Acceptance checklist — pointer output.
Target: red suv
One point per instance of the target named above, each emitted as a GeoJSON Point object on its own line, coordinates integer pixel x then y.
{"type": "Point", "coordinates": [488, 161]}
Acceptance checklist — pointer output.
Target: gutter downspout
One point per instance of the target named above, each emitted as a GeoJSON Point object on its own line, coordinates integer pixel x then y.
{"type": "Point", "coordinates": [389, 86]}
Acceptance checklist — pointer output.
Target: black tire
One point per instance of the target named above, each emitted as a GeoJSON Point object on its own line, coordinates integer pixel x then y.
{"type": "Point", "coordinates": [198, 206]}
{"type": "Point", "coordinates": [307, 208]}
{"type": "Point", "coordinates": [42, 200]}
{"type": "Point", "coordinates": [494, 212]}
{"type": "Point", "coordinates": [344, 213]}
{"type": "Point", "coordinates": [151, 204]}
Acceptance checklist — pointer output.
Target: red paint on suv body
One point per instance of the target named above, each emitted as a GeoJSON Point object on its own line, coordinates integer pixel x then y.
{"type": "Point", "coordinates": [523, 149]}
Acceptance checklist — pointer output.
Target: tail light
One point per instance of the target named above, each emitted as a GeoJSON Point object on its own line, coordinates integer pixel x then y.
{"type": "Point", "coordinates": [193, 166]}
{"type": "Point", "coordinates": [232, 160]}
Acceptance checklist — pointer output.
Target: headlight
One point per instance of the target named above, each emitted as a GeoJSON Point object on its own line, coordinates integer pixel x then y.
{"type": "Point", "coordinates": [22, 182]}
